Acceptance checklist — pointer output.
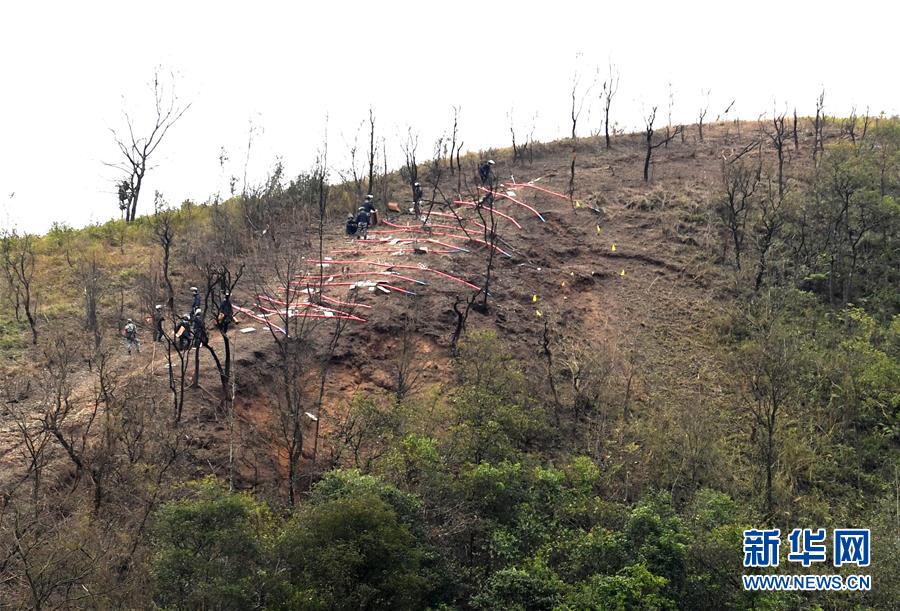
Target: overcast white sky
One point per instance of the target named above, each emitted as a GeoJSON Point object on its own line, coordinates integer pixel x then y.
{"type": "Point", "coordinates": [67, 70]}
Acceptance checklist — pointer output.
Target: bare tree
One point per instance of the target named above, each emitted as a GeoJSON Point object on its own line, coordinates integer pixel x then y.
{"type": "Point", "coordinates": [90, 454]}
{"type": "Point", "coordinates": [725, 113]}
{"type": "Point", "coordinates": [610, 88]}
{"type": "Point", "coordinates": [18, 254]}
{"type": "Point", "coordinates": [848, 125]}
{"type": "Point", "coordinates": [136, 149]}
{"type": "Point", "coordinates": [769, 222]}
{"type": "Point", "coordinates": [453, 134]}
{"type": "Point", "coordinates": [355, 170]}
{"type": "Point", "coordinates": [410, 146]}
{"type": "Point", "coordinates": [701, 114]}
{"type": "Point", "coordinates": [512, 133]}
{"type": "Point", "coordinates": [88, 273]}
{"type": "Point", "coordinates": [794, 129]}
{"type": "Point", "coordinates": [406, 364]}
{"type": "Point", "coordinates": [164, 231]}
{"type": "Point", "coordinates": [648, 134]}
{"type": "Point", "coordinates": [371, 187]}
{"type": "Point", "coordinates": [462, 316]}
{"type": "Point", "coordinates": [865, 126]}
{"type": "Point", "coordinates": [485, 211]}
{"type": "Point", "coordinates": [778, 135]}
{"type": "Point", "coordinates": [819, 127]}
{"type": "Point", "coordinates": [669, 115]}
{"type": "Point", "coordinates": [740, 182]}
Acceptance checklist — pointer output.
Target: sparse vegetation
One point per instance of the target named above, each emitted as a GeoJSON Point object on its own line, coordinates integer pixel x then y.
{"type": "Point", "coordinates": [713, 351]}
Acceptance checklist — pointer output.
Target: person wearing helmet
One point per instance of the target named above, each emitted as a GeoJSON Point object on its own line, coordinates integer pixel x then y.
{"type": "Point", "coordinates": [195, 303]}
{"type": "Point", "coordinates": [417, 198]}
{"type": "Point", "coordinates": [369, 205]}
{"type": "Point", "coordinates": [351, 225]}
{"type": "Point", "coordinates": [183, 333]}
{"type": "Point", "coordinates": [362, 223]}
{"type": "Point", "coordinates": [130, 333]}
{"type": "Point", "coordinates": [226, 313]}
{"type": "Point", "coordinates": [198, 328]}
{"type": "Point", "coordinates": [158, 319]}
{"type": "Point", "coordinates": [485, 172]}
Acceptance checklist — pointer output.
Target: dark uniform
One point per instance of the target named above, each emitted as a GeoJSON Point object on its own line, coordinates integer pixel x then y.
{"type": "Point", "coordinates": [226, 314]}
{"type": "Point", "coordinates": [485, 172]}
{"type": "Point", "coordinates": [362, 223]}
{"type": "Point", "coordinates": [158, 319]}
{"type": "Point", "coordinates": [198, 327]}
{"type": "Point", "coordinates": [417, 195]}
{"type": "Point", "coordinates": [369, 206]}
{"type": "Point", "coordinates": [183, 333]}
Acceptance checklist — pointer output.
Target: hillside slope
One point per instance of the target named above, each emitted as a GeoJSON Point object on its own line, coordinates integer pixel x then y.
{"type": "Point", "coordinates": [624, 402]}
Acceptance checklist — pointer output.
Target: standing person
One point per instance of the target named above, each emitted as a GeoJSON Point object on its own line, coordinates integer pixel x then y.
{"type": "Point", "coordinates": [158, 319]}
{"type": "Point", "coordinates": [195, 303]}
{"type": "Point", "coordinates": [198, 328]}
{"type": "Point", "coordinates": [417, 198]}
{"type": "Point", "coordinates": [486, 172]}
{"type": "Point", "coordinates": [226, 313]}
{"type": "Point", "coordinates": [362, 223]}
{"type": "Point", "coordinates": [369, 205]}
{"type": "Point", "coordinates": [130, 333]}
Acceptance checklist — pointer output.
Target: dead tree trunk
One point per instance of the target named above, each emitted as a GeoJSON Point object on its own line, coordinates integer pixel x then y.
{"type": "Point", "coordinates": [648, 134]}
{"type": "Point", "coordinates": [796, 139]}
{"type": "Point", "coordinates": [371, 152]}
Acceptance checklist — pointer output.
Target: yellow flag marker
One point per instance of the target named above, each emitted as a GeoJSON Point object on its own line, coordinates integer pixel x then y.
{"type": "Point", "coordinates": [622, 273]}
{"type": "Point", "coordinates": [598, 229]}
{"type": "Point", "coordinates": [538, 313]}
{"type": "Point", "coordinates": [577, 203]}
{"type": "Point", "coordinates": [534, 298]}
{"type": "Point", "coordinates": [614, 248]}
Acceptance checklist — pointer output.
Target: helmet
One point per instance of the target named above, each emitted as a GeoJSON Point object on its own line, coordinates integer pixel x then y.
{"type": "Point", "coordinates": [416, 185]}
{"type": "Point", "coordinates": [130, 321]}
{"type": "Point", "coordinates": [369, 196]}
{"type": "Point", "coordinates": [193, 289]}
{"type": "Point", "coordinates": [490, 162]}
{"type": "Point", "coordinates": [185, 317]}
{"type": "Point", "coordinates": [198, 311]}
{"type": "Point", "coordinates": [158, 307]}
{"type": "Point", "coordinates": [228, 293]}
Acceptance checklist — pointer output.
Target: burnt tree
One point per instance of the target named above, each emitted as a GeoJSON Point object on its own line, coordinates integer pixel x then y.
{"type": "Point", "coordinates": [135, 149]}
{"type": "Point", "coordinates": [649, 120]}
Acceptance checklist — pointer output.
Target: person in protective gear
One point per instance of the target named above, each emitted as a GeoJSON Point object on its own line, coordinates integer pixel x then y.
{"type": "Point", "coordinates": [362, 223]}
{"type": "Point", "coordinates": [369, 205]}
{"type": "Point", "coordinates": [485, 172]}
{"type": "Point", "coordinates": [226, 313]}
{"type": "Point", "coordinates": [130, 333]}
{"type": "Point", "coordinates": [183, 333]}
{"type": "Point", "coordinates": [195, 303]}
{"type": "Point", "coordinates": [158, 319]}
{"type": "Point", "coordinates": [417, 198]}
{"type": "Point", "coordinates": [198, 328]}
{"type": "Point", "coordinates": [351, 225]}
